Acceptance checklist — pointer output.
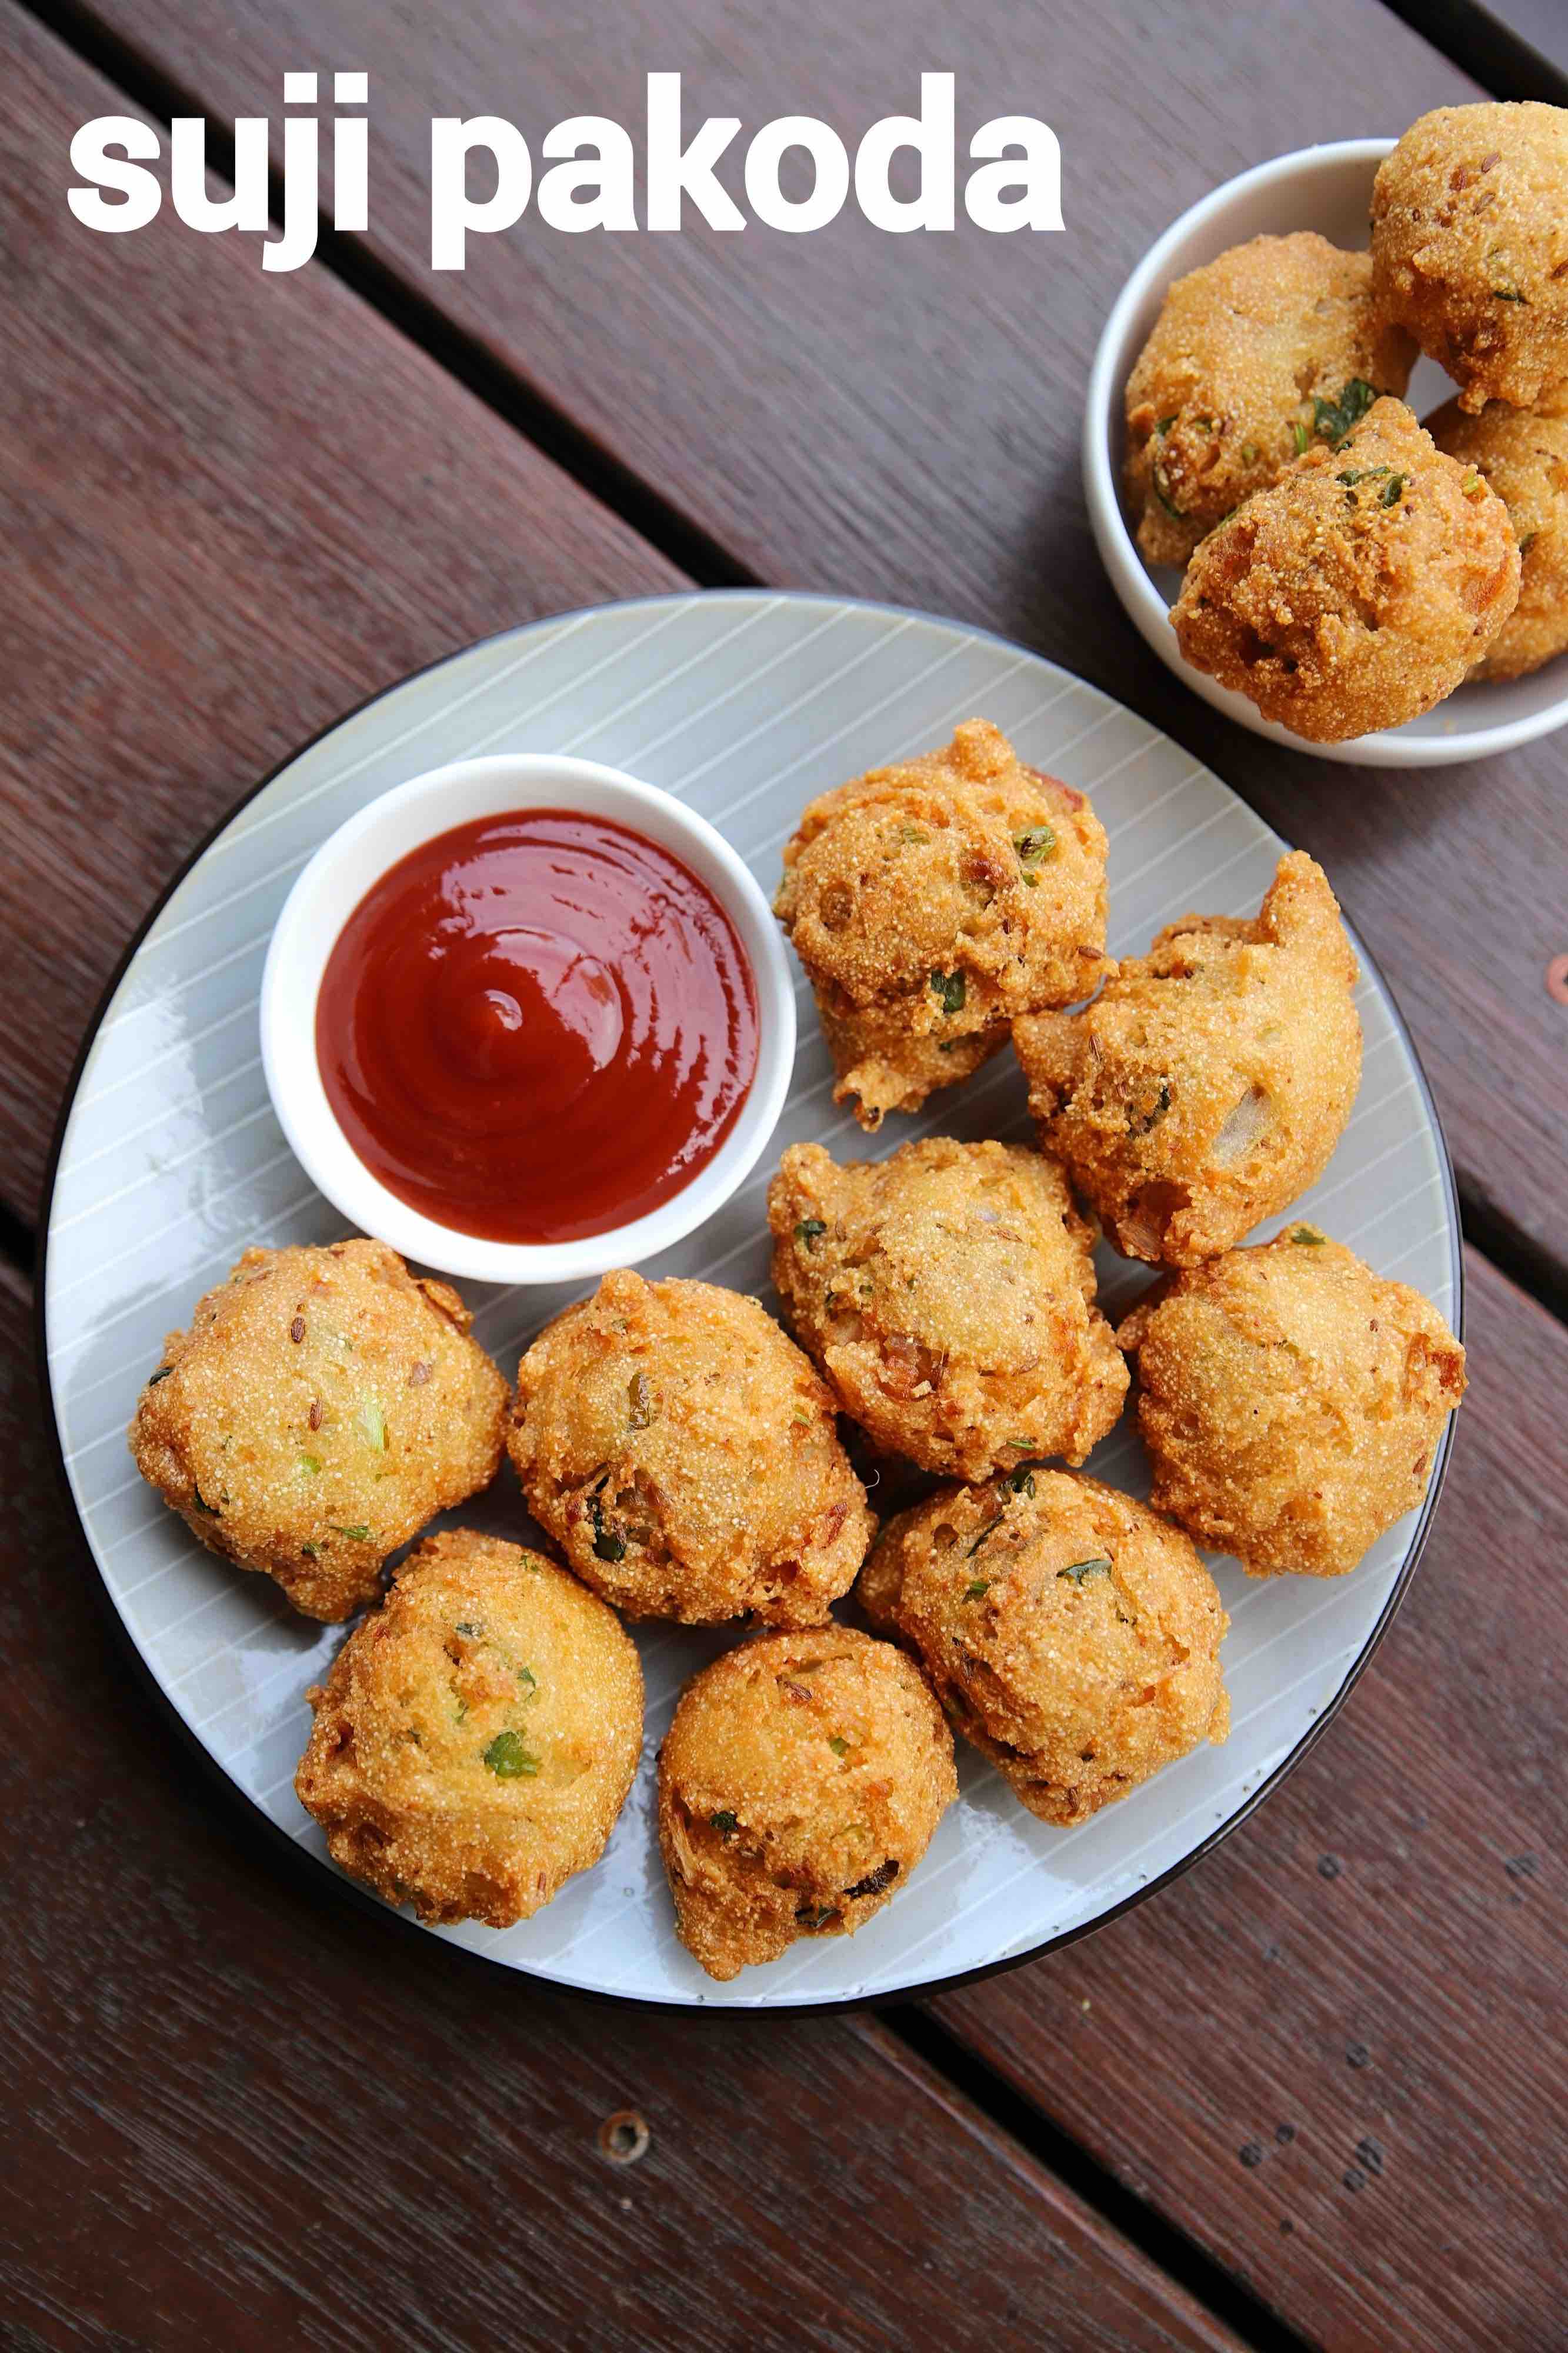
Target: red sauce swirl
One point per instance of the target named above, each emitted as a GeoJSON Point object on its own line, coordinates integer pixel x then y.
{"type": "Point", "coordinates": [537, 1026]}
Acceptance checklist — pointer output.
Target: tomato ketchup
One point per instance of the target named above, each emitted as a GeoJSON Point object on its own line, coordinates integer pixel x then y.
{"type": "Point", "coordinates": [537, 1026]}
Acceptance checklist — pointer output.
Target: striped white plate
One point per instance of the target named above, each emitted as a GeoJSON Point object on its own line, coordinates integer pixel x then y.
{"type": "Point", "coordinates": [170, 1161]}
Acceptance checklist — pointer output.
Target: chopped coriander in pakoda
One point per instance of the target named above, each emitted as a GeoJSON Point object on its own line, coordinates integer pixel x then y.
{"type": "Point", "coordinates": [1291, 1401]}
{"type": "Point", "coordinates": [1470, 248]}
{"type": "Point", "coordinates": [1208, 1083]}
{"type": "Point", "coordinates": [1357, 592]}
{"type": "Point", "coordinates": [685, 1455]}
{"type": "Point", "coordinates": [1270, 348]}
{"type": "Point", "coordinates": [323, 1405]}
{"type": "Point", "coordinates": [932, 899]}
{"type": "Point", "coordinates": [1071, 1634]}
{"type": "Point", "coordinates": [799, 1785]}
{"type": "Point", "coordinates": [476, 1738]}
{"type": "Point", "coordinates": [948, 1295]}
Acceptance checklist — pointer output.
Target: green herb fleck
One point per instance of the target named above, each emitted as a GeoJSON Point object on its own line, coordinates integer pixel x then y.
{"type": "Point", "coordinates": [1473, 485]}
{"type": "Point", "coordinates": [1022, 1480]}
{"type": "Point", "coordinates": [311, 1552]}
{"type": "Point", "coordinates": [1249, 453]}
{"type": "Point", "coordinates": [527, 1678]}
{"type": "Point", "coordinates": [724, 1822]}
{"type": "Point", "coordinates": [839, 1745]}
{"type": "Point", "coordinates": [201, 1503]}
{"type": "Point", "coordinates": [1307, 1235]}
{"type": "Point", "coordinates": [1334, 421]}
{"type": "Point", "coordinates": [981, 1584]}
{"type": "Point", "coordinates": [310, 1464]}
{"type": "Point", "coordinates": [1078, 1570]}
{"type": "Point", "coordinates": [1509, 294]}
{"type": "Point", "coordinates": [1302, 437]}
{"type": "Point", "coordinates": [1037, 843]}
{"type": "Point", "coordinates": [808, 1231]}
{"type": "Point", "coordinates": [948, 988]}
{"type": "Point", "coordinates": [913, 833]}
{"type": "Point", "coordinates": [1393, 491]}
{"type": "Point", "coordinates": [354, 1536]}
{"type": "Point", "coordinates": [473, 1632]}
{"type": "Point", "coordinates": [1162, 492]}
{"type": "Point", "coordinates": [161, 1375]}
{"type": "Point", "coordinates": [984, 1532]}
{"type": "Point", "coordinates": [373, 1422]}
{"type": "Point", "coordinates": [508, 1759]}
{"type": "Point", "coordinates": [1166, 424]}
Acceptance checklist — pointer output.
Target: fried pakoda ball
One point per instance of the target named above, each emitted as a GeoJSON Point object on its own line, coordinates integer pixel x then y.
{"type": "Point", "coordinates": [1071, 1634]}
{"type": "Point", "coordinates": [932, 901]}
{"type": "Point", "coordinates": [1253, 358]}
{"type": "Point", "coordinates": [799, 1784]}
{"type": "Point", "coordinates": [685, 1456]}
{"type": "Point", "coordinates": [948, 1295]}
{"type": "Point", "coordinates": [322, 1406]}
{"type": "Point", "coordinates": [1209, 1082]}
{"type": "Point", "coordinates": [1524, 455]}
{"type": "Point", "coordinates": [1357, 592]}
{"type": "Point", "coordinates": [1470, 248]}
{"type": "Point", "coordinates": [1291, 1401]}
{"type": "Point", "coordinates": [477, 1736]}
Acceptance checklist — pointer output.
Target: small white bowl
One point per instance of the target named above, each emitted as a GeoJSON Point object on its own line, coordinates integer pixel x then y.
{"type": "Point", "coordinates": [1328, 189]}
{"type": "Point", "coordinates": [331, 886]}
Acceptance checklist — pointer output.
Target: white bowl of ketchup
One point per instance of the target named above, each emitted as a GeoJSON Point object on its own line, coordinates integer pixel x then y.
{"type": "Point", "coordinates": [526, 1018]}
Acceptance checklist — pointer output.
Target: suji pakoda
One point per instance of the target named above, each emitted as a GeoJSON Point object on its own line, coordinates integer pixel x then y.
{"type": "Point", "coordinates": [932, 901]}
{"type": "Point", "coordinates": [1208, 1083]}
{"type": "Point", "coordinates": [799, 1785]}
{"type": "Point", "coordinates": [323, 1405]}
{"type": "Point", "coordinates": [1291, 1401]}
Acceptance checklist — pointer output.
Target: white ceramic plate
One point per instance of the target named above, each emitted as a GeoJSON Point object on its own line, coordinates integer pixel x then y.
{"type": "Point", "coordinates": [1328, 189]}
{"type": "Point", "coordinates": [169, 1162]}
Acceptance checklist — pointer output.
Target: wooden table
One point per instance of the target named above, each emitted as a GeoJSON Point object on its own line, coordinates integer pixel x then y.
{"type": "Point", "coordinates": [1312, 2094]}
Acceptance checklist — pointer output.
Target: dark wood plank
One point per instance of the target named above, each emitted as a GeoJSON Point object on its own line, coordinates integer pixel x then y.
{"type": "Point", "coordinates": [232, 507]}
{"type": "Point", "coordinates": [899, 416]}
{"type": "Point", "coordinates": [236, 2113]}
{"type": "Point", "coordinates": [1334, 2051]}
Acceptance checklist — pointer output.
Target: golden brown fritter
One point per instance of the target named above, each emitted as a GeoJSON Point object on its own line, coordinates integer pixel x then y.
{"type": "Point", "coordinates": [322, 1406]}
{"type": "Point", "coordinates": [1470, 246]}
{"type": "Point", "coordinates": [931, 901]}
{"type": "Point", "coordinates": [1071, 1634]}
{"type": "Point", "coordinates": [1524, 455]}
{"type": "Point", "coordinates": [1357, 592]}
{"type": "Point", "coordinates": [799, 1787]}
{"type": "Point", "coordinates": [948, 1295]}
{"type": "Point", "coordinates": [1253, 358]}
{"type": "Point", "coordinates": [1291, 1402]}
{"type": "Point", "coordinates": [477, 1736]}
{"type": "Point", "coordinates": [685, 1455]}
{"type": "Point", "coordinates": [1208, 1083]}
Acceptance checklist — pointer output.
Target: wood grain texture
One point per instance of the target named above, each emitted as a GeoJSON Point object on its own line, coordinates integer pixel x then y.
{"type": "Point", "coordinates": [1334, 2051]}
{"type": "Point", "coordinates": [899, 417]}
{"type": "Point", "coordinates": [232, 507]}
{"type": "Point", "coordinates": [236, 2113]}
